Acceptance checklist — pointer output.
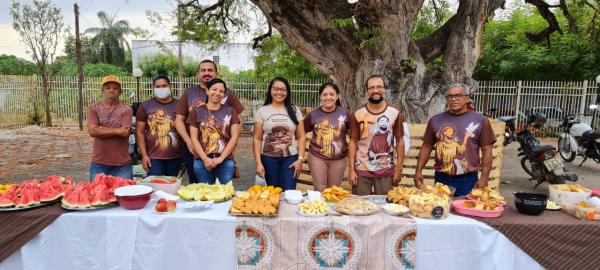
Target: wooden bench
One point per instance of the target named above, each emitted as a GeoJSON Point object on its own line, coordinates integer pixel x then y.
{"type": "Point", "coordinates": [410, 160]}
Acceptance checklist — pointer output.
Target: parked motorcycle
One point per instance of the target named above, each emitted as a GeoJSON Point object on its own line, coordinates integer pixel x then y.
{"type": "Point", "coordinates": [509, 127]}
{"type": "Point", "coordinates": [540, 161]}
{"type": "Point", "coordinates": [578, 139]}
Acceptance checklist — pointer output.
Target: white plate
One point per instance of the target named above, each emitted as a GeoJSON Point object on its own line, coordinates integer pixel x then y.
{"type": "Point", "coordinates": [196, 205]}
{"type": "Point", "coordinates": [162, 213]}
{"type": "Point", "coordinates": [391, 213]}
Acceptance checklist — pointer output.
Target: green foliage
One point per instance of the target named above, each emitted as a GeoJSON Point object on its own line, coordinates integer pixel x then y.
{"type": "Point", "coordinates": [166, 64]}
{"type": "Point", "coordinates": [276, 58]}
{"type": "Point", "coordinates": [110, 39]}
{"type": "Point", "coordinates": [509, 55]}
{"type": "Point", "coordinates": [89, 54]}
{"type": "Point", "coordinates": [11, 65]}
{"type": "Point", "coordinates": [65, 66]}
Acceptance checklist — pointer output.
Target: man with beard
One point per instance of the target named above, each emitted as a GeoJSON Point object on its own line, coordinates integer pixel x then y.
{"type": "Point", "coordinates": [109, 123]}
{"type": "Point", "coordinates": [374, 132]}
{"type": "Point", "coordinates": [195, 97]}
{"type": "Point", "coordinates": [458, 135]}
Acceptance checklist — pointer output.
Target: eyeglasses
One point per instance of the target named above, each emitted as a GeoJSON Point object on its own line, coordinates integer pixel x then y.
{"type": "Point", "coordinates": [276, 89]}
{"type": "Point", "coordinates": [456, 97]}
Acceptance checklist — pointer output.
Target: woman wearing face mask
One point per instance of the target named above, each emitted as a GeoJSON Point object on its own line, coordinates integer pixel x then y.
{"type": "Point", "coordinates": [158, 141]}
{"type": "Point", "coordinates": [328, 147]}
{"type": "Point", "coordinates": [279, 139]}
{"type": "Point", "coordinates": [214, 131]}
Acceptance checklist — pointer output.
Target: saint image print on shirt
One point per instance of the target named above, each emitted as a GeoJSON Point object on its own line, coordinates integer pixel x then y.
{"type": "Point", "coordinates": [277, 142]}
{"type": "Point", "coordinates": [450, 149]}
{"type": "Point", "coordinates": [380, 149]}
{"type": "Point", "coordinates": [160, 126]}
{"type": "Point", "coordinates": [328, 136]}
{"type": "Point", "coordinates": [212, 137]}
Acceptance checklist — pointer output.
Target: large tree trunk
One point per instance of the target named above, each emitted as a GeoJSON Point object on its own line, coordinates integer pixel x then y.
{"type": "Point", "coordinates": [307, 27]}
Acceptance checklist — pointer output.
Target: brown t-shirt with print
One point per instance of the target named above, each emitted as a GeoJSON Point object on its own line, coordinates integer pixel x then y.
{"type": "Point", "coordinates": [112, 151]}
{"type": "Point", "coordinates": [457, 139]}
{"type": "Point", "coordinates": [214, 128]}
{"type": "Point", "coordinates": [377, 134]}
{"type": "Point", "coordinates": [279, 131]}
{"type": "Point", "coordinates": [329, 132]}
{"type": "Point", "coordinates": [194, 97]}
{"type": "Point", "coordinates": [162, 139]}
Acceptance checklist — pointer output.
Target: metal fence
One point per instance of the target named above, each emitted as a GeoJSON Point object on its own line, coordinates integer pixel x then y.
{"type": "Point", "coordinates": [514, 98]}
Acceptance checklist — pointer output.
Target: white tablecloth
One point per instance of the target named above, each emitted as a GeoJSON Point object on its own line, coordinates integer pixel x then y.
{"type": "Point", "coordinates": [121, 239]}
{"type": "Point", "coordinates": [115, 239]}
{"type": "Point", "coordinates": [464, 243]}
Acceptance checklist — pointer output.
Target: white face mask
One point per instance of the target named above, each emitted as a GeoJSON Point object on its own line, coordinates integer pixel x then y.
{"type": "Point", "coordinates": [162, 93]}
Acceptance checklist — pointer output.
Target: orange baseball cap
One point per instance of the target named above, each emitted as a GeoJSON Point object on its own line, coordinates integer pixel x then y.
{"type": "Point", "coordinates": [111, 78]}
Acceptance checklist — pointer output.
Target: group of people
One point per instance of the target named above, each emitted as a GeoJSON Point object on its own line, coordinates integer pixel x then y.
{"type": "Point", "coordinates": [202, 128]}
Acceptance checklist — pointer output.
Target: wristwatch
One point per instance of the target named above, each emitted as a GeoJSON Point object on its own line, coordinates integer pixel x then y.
{"type": "Point", "coordinates": [301, 159]}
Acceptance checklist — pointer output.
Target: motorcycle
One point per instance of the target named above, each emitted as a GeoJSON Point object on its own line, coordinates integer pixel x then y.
{"type": "Point", "coordinates": [509, 127]}
{"type": "Point", "coordinates": [540, 161]}
{"type": "Point", "coordinates": [578, 139]}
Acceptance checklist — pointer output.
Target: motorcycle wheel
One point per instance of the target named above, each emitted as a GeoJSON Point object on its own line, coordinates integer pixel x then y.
{"type": "Point", "coordinates": [564, 149]}
{"type": "Point", "coordinates": [526, 165]}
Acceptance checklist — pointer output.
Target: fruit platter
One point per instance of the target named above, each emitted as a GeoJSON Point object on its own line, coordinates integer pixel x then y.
{"type": "Point", "coordinates": [206, 192]}
{"type": "Point", "coordinates": [168, 184]}
{"type": "Point", "coordinates": [259, 201]}
{"type": "Point", "coordinates": [34, 193]}
{"type": "Point", "coordinates": [164, 206]}
{"type": "Point", "coordinates": [477, 208]}
{"type": "Point", "coordinates": [97, 194]}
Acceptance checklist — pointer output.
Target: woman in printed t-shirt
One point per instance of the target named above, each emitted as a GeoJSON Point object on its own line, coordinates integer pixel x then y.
{"type": "Point", "coordinates": [279, 139]}
{"type": "Point", "coordinates": [157, 138]}
{"type": "Point", "coordinates": [214, 130]}
{"type": "Point", "coordinates": [328, 147]}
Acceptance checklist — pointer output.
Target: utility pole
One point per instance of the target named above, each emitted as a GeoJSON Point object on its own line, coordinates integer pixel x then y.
{"type": "Point", "coordinates": [79, 66]}
{"type": "Point", "coordinates": [179, 53]}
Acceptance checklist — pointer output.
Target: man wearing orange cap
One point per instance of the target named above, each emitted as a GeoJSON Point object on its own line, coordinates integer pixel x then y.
{"type": "Point", "coordinates": [109, 122]}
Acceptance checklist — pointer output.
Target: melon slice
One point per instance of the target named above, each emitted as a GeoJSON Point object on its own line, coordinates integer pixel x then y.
{"type": "Point", "coordinates": [21, 202]}
{"type": "Point", "coordinates": [84, 199]}
{"type": "Point", "coordinates": [6, 203]}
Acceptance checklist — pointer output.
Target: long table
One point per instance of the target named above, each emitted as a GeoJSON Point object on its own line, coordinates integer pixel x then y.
{"type": "Point", "coordinates": [116, 238]}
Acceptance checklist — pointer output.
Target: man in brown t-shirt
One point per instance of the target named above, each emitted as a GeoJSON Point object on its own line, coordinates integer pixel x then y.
{"type": "Point", "coordinates": [194, 97]}
{"type": "Point", "coordinates": [109, 122]}
{"type": "Point", "coordinates": [375, 130]}
{"type": "Point", "coordinates": [458, 135]}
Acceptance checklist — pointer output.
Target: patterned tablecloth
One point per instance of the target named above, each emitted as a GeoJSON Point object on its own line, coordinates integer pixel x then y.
{"type": "Point", "coordinates": [291, 241]}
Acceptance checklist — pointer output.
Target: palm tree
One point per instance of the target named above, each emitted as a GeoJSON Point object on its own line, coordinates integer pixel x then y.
{"type": "Point", "coordinates": [110, 38]}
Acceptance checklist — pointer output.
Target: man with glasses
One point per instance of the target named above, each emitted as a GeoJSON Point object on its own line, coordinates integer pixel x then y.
{"type": "Point", "coordinates": [375, 130]}
{"type": "Point", "coordinates": [457, 136]}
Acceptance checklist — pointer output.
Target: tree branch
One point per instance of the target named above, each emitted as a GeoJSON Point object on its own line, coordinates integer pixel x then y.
{"type": "Point", "coordinates": [553, 26]}
{"type": "Point", "coordinates": [570, 19]}
{"type": "Point", "coordinates": [257, 41]}
{"type": "Point", "coordinates": [433, 46]}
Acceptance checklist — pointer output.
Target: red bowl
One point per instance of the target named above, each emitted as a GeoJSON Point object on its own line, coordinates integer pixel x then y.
{"type": "Point", "coordinates": [133, 197]}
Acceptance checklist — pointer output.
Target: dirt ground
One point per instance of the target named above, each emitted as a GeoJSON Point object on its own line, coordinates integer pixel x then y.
{"type": "Point", "coordinates": [35, 152]}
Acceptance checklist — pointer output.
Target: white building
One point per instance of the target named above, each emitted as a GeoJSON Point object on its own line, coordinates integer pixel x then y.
{"type": "Point", "coordinates": [235, 56]}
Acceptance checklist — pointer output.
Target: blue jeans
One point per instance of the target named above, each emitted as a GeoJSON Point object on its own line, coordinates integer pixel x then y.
{"type": "Point", "coordinates": [463, 183]}
{"type": "Point", "coordinates": [223, 171]}
{"type": "Point", "coordinates": [277, 171]}
{"type": "Point", "coordinates": [124, 171]}
{"type": "Point", "coordinates": [166, 167]}
{"type": "Point", "coordinates": [188, 160]}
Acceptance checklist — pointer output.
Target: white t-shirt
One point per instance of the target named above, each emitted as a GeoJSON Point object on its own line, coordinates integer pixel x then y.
{"type": "Point", "coordinates": [279, 132]}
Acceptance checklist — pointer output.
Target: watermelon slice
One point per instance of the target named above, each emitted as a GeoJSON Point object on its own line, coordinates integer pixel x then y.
{"type": "Point", "coordinates": [70, 198]}
{"type": "Point", "coordinates": [21, 202]}
{"type": "Point", "coordinates": [6, 203]}
{"type": "Point", "coordinates": [48, 193]}
{"type": "Point", "coordinates": [84, 199]}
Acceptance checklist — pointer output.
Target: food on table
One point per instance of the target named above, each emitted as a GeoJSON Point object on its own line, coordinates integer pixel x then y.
{"type": "Point", "coordinates": [571, 188]}
{"type": "Point", "coordinates": [487, 194]}
{"type": "Point", "coordinates": [438, 189]}
{"type": "Point", "coordinates": [428, 205]}
{"type": "Point", "coordinates": [164, 205]}
{"type": "Point", "coordinates": [257, 201]}
{"type": "Point", "coordinates": [395, 208]}
{"type": "Point", "coordinates": [206, 192]}
{"type": "Point", "coordinates": [5, 187]}
{"type": "Point", "coordinates": [98, 193]}
{"type": "Point", "coordinates": [482, 205]}
{"type": "Point", "coordinates": [313, 207]}
{"type": "Point", "coordinates": [34, 192]}
{"type": "Point", "coordinates": [163, 180]}
{"type": "Point", "coordinates": [552, 205]}
{"type": "Point", "coordinates": [583, 210]}
{"type": "Point", "coordinates": [335, 194]}
{"type": "Point", "coordinates": [356, 206]}
{"type": "Point", "coordinates": [401, 194]}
